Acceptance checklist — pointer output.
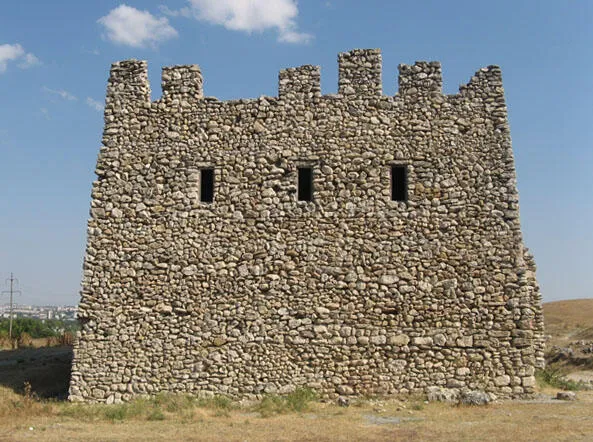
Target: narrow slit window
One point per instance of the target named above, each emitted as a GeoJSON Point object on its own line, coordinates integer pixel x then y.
{"type": "Point", "coordinates": [399, 183]}
{"type": "Point", "coordinates": [305, 191]}
{"type": "Point", "coordinates": [207, 185]}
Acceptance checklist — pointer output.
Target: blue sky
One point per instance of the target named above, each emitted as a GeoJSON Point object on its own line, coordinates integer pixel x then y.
{"type": "Point", "coordinates": [55, 58]}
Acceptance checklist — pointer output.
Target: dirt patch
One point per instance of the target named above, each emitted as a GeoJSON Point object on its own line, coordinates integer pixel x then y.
{"type": "Point", "coordinates": [586, 377]}
{"type": "Point", "coordinates": [388, 420]}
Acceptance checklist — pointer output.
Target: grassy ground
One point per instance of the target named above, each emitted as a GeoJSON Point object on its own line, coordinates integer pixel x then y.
{"type": "Point", "coordinates": [179, 418]}
{"type": "Point", "coordinates": [38, 411]}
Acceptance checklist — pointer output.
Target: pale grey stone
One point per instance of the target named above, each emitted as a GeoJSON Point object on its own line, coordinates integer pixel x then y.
{"type": "Point", "coordinates": [379, 340]}
{"type": "Point", "coordinates": [501, 381]}
{"type": "Point", "coordinates": [440, 394]}
{"type": "Point", "coordinates": [190, 270]}
{"type": "Point", "coordinates": [399, 340]}
{"type": "Point", "coordinates": [474, 397]}
{"type": "Point", "coordinates": [422, 340]}
{"type": "Point", "coordinates": [439, 339]}
{"type": "Point", "coordinates": [345, 390]}
{"type": "Point", "coordinates": [388, 279]}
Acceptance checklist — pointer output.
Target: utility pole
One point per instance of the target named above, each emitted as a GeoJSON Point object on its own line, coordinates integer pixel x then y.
{"type": "Point", "coordinates": [12, 291]}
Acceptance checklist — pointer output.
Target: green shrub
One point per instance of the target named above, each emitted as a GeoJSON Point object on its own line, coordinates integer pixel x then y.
{"type": "Point", "coordinates": [156, 415]}
{"type": "Point", "coordinates": [417, 406]}
{"type": "Point", "coordinates": [215, 403]}
{"type": "Point", "coordinates": [116, 412]}
{"type": "Point", "coordinates": [300, 399]}
{"type": "Point", "coordinates": [297, 401]}
{"type": "Point", "coordinates": [555, 378]}
{"type": "Point", "coordinates": [82, 412]}
{"type": "Point", "coordinates": [271, 405]}
{"type": "Point", "coordinates": [173, 403]}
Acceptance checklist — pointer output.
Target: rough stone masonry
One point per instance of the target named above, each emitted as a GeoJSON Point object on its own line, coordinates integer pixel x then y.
{"type": "Point", "coordinates": [403, 270]}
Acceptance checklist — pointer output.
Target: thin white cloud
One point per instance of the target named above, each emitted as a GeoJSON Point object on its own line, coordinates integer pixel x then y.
{"type": "Point", "coordinates": [249, 16]}
{"type": "Point", "coordinates": [129, 26]}
{"type": "Point", "coordinates": [94, 104]}
{"type": "Point", "coordinates": [183, 12]}
{"type": "Point", "coordinates": [294, 37]}
{"type": "Point", "coordinates": [29, 60]}
{"type": "Point", "coordinates": [45, 113]}
{"type": "Point", "coordinates": [92, 51]}
{"type": "Point", "coordinates": [61, 93]}
{"type": "Point", "coordinates": [16, 53]}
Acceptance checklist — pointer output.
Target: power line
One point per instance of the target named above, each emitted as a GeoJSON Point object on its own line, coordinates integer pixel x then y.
{"type": "Point", "coordinates": [12, 291]}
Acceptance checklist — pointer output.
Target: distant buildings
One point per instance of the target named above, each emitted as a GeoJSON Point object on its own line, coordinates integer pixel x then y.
{"type": "Point", "coordinates": [61, 312]}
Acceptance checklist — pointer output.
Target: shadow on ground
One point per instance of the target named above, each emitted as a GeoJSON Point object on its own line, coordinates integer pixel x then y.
{"type": "Point", "coordinates": [47, 369]}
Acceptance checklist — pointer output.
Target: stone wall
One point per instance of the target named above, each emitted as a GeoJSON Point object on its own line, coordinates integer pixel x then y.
{"type": "Point", "coordinates": [350, 293]}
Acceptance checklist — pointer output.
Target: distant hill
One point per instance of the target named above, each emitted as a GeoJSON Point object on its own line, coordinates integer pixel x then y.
{"type": "Point", "coordinates": [569, 320]}
{"type": "Point", "coordinates": [569, 327]}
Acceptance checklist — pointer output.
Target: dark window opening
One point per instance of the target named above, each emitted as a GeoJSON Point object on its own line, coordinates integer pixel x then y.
{"type": "Point", "coordinates": [207, 185]}
{"type": "Point", "coordinates": [399, 183]}
{"type": "Point", "coordinates": [305, 191]}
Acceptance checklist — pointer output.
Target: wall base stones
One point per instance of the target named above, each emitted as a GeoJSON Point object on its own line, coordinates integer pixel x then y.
{"type": "Point", "coordinates": [350, 293]}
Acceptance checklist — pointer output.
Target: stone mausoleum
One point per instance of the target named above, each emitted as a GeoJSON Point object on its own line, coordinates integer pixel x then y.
{"type": "Point", "coordinates": [354, 243]}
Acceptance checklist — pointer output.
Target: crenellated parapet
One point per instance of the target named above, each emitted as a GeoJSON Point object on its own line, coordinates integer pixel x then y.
{"type": "Point", "coordinates": [359, 72]}
{"type": "Point", "coordinates": [486, 90]}
{"type": "Point", "coordinates": [302, 83]}
{"type": "Point", "coordinates": [420, 79]}
{"type": "Point", "coordinates": [182, 83]}
{"type": "Point", "coordinates": [487, 80]}
{"type": "Point", "coordinates": [127, 86]}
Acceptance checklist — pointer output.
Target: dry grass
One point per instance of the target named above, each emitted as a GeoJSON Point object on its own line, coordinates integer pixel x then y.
{"type": "Point", "coordinates": [171, 417]}
{"type": "Point", "coordinates": [66, 339]}
{"type": "Point", "coordinates": [572, 313]}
